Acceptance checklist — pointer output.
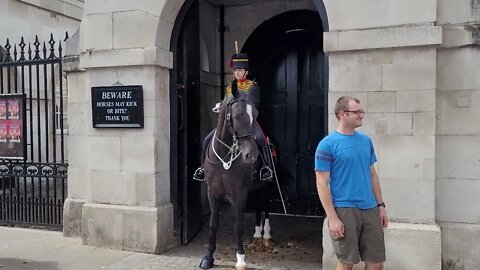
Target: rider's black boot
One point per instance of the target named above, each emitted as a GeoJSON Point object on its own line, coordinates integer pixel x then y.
{"type": "Point", "coordinates": [199, 174]}
{"type": "Point", "coordinates": [266, 173]}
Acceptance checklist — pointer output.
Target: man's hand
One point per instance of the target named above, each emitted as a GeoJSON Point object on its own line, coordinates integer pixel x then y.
{"type": "Point", "coordinates": [336, 227]}
{"type": "Point", "coordinates": [383, 217]}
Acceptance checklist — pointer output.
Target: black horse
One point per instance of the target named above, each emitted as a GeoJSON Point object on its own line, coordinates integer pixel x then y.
{"type": "Point", "coordinates": [230, 164]}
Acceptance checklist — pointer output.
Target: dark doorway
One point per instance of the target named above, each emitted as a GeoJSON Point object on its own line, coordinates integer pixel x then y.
{"type": "Point", "coordinates": [287, 59]}
{"type": "Point", "coordinates": [185, 121]}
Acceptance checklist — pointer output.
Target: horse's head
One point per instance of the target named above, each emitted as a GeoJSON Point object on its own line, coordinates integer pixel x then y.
{"type": "Point", "coordinates": [240, 116]}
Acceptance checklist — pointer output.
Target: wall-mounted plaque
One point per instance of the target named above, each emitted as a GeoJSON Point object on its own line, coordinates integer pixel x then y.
{"type": "Point", "coordinates": [12, 126]}
{"type": "Point", "coordinates": [117, 106]}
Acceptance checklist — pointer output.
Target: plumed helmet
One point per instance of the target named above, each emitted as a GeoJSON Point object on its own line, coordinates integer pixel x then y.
{"type": "Point", "coordinates": [239, 60]}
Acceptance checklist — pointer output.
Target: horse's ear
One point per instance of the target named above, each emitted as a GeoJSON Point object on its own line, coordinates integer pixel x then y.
{"type": "Point", "coordinates": [234, 88]}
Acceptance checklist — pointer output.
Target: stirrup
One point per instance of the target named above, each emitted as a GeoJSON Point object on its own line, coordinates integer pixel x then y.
{"type": "Point", "coordinates": [199, 174]}
{"type": "Point", "coordinates": [266, 170]}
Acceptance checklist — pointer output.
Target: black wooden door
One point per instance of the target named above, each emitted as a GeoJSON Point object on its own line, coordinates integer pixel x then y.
{"type": "Point", "coordinates": [188, 124]}
{"type": "Point", "coordinates": [311, 124]}
{"type": "Point", "coordinates": [294, 117]}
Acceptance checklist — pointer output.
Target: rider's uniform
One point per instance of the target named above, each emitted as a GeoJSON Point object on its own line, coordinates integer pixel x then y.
{"type": "Point", "coordinates": [253, 90]}
{"type": "Point", "coordinates": [244, 86]}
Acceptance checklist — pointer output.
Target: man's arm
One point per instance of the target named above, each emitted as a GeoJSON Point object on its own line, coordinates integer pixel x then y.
{"type": "Point", "coordinates": [335, 225]}
{"type": "Point", "coordinates": [377, 192]}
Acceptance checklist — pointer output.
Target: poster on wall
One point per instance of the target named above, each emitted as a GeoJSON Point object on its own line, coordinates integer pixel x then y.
{"type": "Point", "coordinates": [12, 126]}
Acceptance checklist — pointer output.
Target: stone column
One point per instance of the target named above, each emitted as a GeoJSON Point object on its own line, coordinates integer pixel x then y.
{"type": "Point", "coordinates": [119, 179]}
{"type": "Point", "coordinates": [77, 104]}
{"type": "Point", "coordinates": [458, 134]}
{"type": "Point", "coordinates": [385, 53]}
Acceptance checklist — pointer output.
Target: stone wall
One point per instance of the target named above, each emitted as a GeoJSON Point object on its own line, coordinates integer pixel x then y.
{"type": "Point", "coordinates": [458, 134]}
{"type": "Point", "coordinates": [385, 53]}
{"type": "Point", "coordinates": [31, 18]}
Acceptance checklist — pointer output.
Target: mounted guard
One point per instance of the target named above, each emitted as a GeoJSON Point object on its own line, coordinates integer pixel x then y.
{"type": "Point", "coordinates": [240, 67]}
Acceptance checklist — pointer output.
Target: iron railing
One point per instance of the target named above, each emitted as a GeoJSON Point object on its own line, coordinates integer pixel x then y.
{"type": "Point", "coordinates": [33, 188]}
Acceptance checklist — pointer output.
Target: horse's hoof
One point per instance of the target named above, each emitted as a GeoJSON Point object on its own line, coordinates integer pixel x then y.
{"type": "Point", "coordinates": [207, 262]}
{"type": "Point", "coordinates": [242, 267]}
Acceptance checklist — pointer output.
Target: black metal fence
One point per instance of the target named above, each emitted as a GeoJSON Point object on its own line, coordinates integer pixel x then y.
{"type": "Point", "coordinates": [33, 187]}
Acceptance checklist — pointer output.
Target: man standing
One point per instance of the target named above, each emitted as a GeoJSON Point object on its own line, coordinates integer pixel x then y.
{"type": "Point", "coordinates": [349, 190]}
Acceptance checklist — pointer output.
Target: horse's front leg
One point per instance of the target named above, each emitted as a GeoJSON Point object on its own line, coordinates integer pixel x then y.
{"type": "Point", "coordinates": [207, 261]}
{"type": "Point", "coordinates": [239, 212]}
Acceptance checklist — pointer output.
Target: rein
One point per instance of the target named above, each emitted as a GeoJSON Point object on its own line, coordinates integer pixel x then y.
{"type": "Point", "coordinates": [234, 150]}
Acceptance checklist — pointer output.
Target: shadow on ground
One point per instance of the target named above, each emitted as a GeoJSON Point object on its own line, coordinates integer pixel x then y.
{"type": "Point", "coordinates": [296, 243]}
{"type": "Point", "coordinates": [19, 264]}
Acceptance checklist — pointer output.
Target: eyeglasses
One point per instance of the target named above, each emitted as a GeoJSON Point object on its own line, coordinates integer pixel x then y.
{"type": "Point", "coordinates": [359, 112]}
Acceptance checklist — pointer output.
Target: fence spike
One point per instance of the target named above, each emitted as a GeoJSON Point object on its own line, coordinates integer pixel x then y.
{"type": "Point", "coordinates": [37, 48]}
{"type": "Point", "coordinates": [7, 48]}
{"type": "Point", "coordinates": [15, 53]}
{"type": "Point", "coordinates": [7, 45]}
{"type": "Point", "coordinates": [29, 51]}
{"type": "Point", "coordinates": [52, 47]}
{"type": "Point", "coordinates": [22, 49]}
{"type": "Point", "coordinates": [60, 49]}
{"type": "Point", "coordinates": [44, 50]}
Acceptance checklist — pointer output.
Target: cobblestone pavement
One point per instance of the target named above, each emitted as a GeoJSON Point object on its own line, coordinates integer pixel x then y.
{"type": "Point", "coordinates": [296, 244]}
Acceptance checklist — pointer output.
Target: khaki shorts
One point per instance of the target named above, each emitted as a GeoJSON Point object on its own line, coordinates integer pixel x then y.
{"type": "Point", "coordinates": [363, 236]}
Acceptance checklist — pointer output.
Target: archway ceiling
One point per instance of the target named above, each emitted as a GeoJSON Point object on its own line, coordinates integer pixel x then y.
{"type": "Point", "coordinates": [238, 2]}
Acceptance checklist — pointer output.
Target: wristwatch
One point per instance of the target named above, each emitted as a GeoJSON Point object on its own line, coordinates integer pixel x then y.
{"type": "Point", "coordinates": [381, 204]}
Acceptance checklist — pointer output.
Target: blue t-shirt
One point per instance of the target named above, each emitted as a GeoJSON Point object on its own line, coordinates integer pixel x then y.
{"type": "Point", "coordinates": [348, 159]}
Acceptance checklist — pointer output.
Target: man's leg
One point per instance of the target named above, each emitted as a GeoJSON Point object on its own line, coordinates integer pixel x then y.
{"type": "Point", "coordinates": [344, 266]}
{"type": "Point", "coordinates": [373, 265]}
{"type": "Point", "coordinates": [372, 243]}
{"type": "Point", "coordinates": [346, 248]}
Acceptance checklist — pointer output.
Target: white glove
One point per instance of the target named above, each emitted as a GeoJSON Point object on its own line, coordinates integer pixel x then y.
{"type": "Point", "coordinates": [216, 109]}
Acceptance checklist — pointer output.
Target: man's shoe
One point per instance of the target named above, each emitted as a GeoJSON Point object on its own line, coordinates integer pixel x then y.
{"type": "Point", "coordinates": [266, 174]}
{"type": "Point", "coordinates": [199, 174]}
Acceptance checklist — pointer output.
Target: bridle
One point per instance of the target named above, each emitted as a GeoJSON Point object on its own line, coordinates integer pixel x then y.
{"type": "Point", "coordinates": [228, 119]}
{"type": "Point", "coordinates": [234, 149]}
